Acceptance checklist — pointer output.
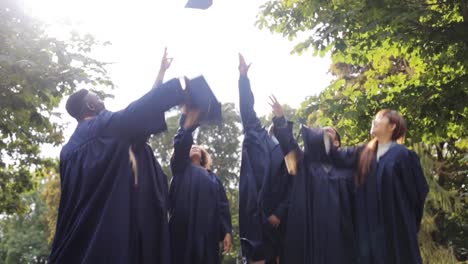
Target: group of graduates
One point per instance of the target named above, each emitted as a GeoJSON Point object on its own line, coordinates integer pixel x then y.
{"type": "Point", "coordinates": [319, 203]}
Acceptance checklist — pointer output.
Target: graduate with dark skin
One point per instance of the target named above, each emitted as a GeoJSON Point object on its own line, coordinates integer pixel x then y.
{"type": "Point", "coordinates": [320, 216]}
{"type": "Point", "coordinates": [112, 209]}
{"type": "Point", "coordinates": [199, 209]}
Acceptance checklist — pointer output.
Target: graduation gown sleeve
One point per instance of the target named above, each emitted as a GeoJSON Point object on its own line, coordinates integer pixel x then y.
{"type": "Point", "coordinates": [251, 173]}
{"type": "Point", "coordinates": [263, 185]}
{"type": "Point", "coordinates": [283, 131]}
{"type": "Point", "coordinates": [246, 103]}
{"type": "Point", "coordinates": [183, 142]}
{"type": "Point", "coordinates": [295, 237]}
{"type": "Point", "coordinates": [346, 157]}
{"type": "Point", "coordinates": [223, 211]}
{"type": "Point", "coordinates": [415, 185]}
{"type": "Point", "coordinates": [145, 116]}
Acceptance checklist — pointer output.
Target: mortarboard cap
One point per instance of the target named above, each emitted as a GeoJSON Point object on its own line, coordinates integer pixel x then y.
{"type": "Point", "coordinates": [199, 4]}
{"type": "Point", "coordinates": [203, 99]}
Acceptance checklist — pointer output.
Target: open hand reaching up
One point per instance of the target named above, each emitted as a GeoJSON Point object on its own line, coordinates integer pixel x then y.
{"type": "Point", "coordinates": [243, 67]}
{"type": "Point", "coordinates": [276, 107]}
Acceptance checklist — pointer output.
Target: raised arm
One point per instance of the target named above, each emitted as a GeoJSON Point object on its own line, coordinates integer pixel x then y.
{"type": "Point", "coordinates": [183, 142]}
{"type": "Point", "coordinates": [346, 157]}
{"type": "Point", "coordinates": [246, 99]}
{"type": "Point", "coordinates": [145, 116]}
{"type": "Point", "coordinates": [165, 64]}
{"type": "Point", "coordinates": [283, 131]}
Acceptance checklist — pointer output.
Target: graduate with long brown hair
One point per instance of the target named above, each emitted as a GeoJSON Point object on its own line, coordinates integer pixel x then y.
{"type": "Point", "coordinates": [390, 193]}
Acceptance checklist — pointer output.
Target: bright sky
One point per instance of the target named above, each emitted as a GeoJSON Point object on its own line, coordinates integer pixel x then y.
{"type": "Point", "coordinates": [201, 41]}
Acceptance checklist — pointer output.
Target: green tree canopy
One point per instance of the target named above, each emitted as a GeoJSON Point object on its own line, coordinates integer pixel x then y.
{"type": "Point", "coordinates": [23, 238]}
{"type": "Point", "coordinates": [411, 56]}
{"type": "Point", "coordinates": [36, 72]}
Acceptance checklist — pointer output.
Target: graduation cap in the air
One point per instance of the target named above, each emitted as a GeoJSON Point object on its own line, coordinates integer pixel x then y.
{"type": "Point", "coordinates": [203, 99]}
{"type": "Point", "coordinates": [199, 4]}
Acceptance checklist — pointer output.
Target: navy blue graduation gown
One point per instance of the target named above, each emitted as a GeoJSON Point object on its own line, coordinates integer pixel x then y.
{"type": "Point", "coordinates": [264, 184]}
{"type": "Point", "coordinates": [103, 216]}
{"type": "Point", "coordinates": [320, 219]}
{"type": "Point", "coordinates": [199, 209]}
{"type": "Point", "coordinates": [389, 206]}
